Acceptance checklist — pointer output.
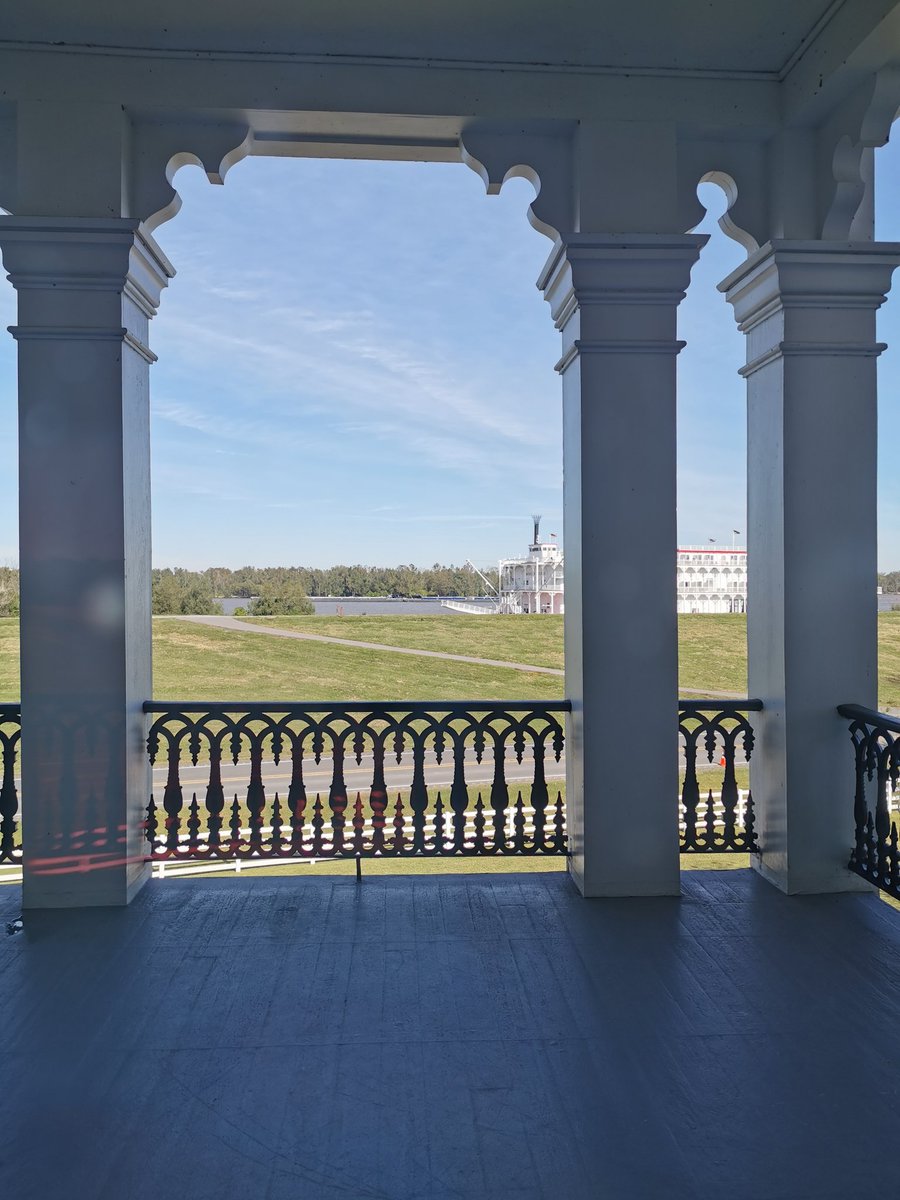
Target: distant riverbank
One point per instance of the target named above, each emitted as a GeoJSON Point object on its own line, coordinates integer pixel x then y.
{"type": "Point", "coordinates": [364, 606]}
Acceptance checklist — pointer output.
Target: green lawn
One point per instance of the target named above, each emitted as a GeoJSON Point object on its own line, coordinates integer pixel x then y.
{"type": "Point", "coordinates": [712, 648]}
{"type": "Point", "coordinates": [536, 639]}
{"type": "Point", "coordinates": [201, 663]}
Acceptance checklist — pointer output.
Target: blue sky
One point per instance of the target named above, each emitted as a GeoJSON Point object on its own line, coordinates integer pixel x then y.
{"type": "Point", "coordinates": [355, 366]}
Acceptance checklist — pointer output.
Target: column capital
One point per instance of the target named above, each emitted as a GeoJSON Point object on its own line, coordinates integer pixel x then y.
{"type": "Point", "coordinates": [84, 278]}
{"type": "Point", "coordinates": [810, 274]}
{"type": "Point", "coordinates": [85, 254]}
{"type": "Point", "coordinates": [617, 269]}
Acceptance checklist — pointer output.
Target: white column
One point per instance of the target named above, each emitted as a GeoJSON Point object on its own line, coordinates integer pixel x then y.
{"type": "Point", "coordinates": [808, 309]}
{"type": "Point", "coordinates": [87, 289]}
{"type": "Point", "coordinates": [615, 301]}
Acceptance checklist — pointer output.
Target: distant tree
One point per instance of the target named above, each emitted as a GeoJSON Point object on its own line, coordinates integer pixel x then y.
{"type": "Point", "coordinates": [182, 592]}
{"type": "Point", "coordinates": [9, 592]}
{"type": "Point", "coordinates": [285, 598]}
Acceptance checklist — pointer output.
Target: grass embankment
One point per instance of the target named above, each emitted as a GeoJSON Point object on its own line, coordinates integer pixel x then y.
{"type": "Point", "coordinates": [712, 649]}
{"type": "Point", "coordinates": [536, 640]}
{"type": "Point", "coordinates": [203, 663]}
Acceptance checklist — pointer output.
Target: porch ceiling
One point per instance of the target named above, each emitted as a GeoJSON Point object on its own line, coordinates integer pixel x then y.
{"type": "Point", "coordinates": [446, 1038]}
{"type": "Point", "coordinates": [693, 35]}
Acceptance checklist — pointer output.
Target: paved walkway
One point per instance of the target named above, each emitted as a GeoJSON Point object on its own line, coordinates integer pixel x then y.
{"type": "Point", "coordinates": [236, 626]}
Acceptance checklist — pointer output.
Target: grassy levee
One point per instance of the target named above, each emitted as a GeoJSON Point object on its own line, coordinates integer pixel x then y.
{"type": "Point", "coordinates": [200, 662]}
{"type": "Point", "coordinates": [712, 649]}
{"type": "Point", "coordinates": [535, 639]}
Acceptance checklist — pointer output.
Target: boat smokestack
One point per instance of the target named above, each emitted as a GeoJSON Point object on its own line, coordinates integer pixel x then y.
{"type": "Point", "coordinates": [536, 517]}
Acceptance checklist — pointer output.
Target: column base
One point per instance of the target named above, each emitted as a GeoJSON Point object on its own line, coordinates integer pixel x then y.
{"type": "Point", "coordinates": [818, 882]}
{"type": "Point", "coordinates": [598, 889]}
{"type": "Point", "coordinates": [112, 887]}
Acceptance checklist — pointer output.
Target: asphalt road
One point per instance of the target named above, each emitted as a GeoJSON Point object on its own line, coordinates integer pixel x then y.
{"type": "Point", "coordinates": [358, 778]}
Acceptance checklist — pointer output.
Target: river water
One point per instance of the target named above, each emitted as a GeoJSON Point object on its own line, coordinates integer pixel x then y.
{"type": "Point", "coordinates": [362, 606]}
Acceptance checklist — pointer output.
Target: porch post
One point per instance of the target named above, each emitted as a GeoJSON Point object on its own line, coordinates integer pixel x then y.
{"type": "Point", "coordinates": [808, 309]}
{"type": "Point", "coordinates": [615, 300]}
{"type": "Point", "coordinates": [87, 288]}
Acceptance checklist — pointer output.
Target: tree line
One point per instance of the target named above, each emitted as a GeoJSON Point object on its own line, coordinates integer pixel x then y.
{"type": "Point", "coordinates": [271, 591]}
{"type": "Point", "coordinates": [405, 580]}
{"type": "Point", "coordinates": [275, 590]}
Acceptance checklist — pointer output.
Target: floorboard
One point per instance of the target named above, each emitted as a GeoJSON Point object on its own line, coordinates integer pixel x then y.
{"type": "Point", "coordinates": [451, 1038]}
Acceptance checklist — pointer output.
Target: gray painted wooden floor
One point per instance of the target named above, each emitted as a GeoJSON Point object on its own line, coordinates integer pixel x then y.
{"type": "Point", "coordinates": [449, 1038]}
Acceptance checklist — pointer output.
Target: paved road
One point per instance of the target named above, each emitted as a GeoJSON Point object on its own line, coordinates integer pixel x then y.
{"type": "Point", "coordinates": [237, 626]}
{"type": "Point", "coordinates": [358, 778]}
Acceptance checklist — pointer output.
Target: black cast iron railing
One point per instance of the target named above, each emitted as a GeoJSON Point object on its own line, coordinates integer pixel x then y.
{"type": "Point", "coordinates": [876, 744]}
{"type": "Point", "coordinates": [429, 779]}
{"type": "Point", "coordinates": [423, 792]}
{"type": "Point", "coordinates": [716, 820]}
{"type": "Point", "coordinates": [10, 735]}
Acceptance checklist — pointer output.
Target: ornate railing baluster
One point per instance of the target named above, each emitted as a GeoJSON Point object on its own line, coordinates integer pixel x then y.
{"type": "Point", "coordinates": [256, 792]}
{"type": "Point", "coordinates": [749, 820]}
{"type": "Point", "coordinates": [882, 815]}
{"type": "Point", "coordinates": [296, 796]}
{"type": "Point", "coordinates": [559, 825]}
{"type": "Point", "coordinates": [318, 824]}
{"type": "Point", "coordinates": [399, 844]}
{"type": "Point", "coordinates": [151, 826]}
{"type": "Point", "coordinates": [438, 844]}
{"type": "Point", "coordinates": [875, 738]}
{"type": "Point", "coordinates": [709, 831]}
{"type": "Point", "coordinates": [418, 794]}
{"type": "Point", "coordinates": [235, 828]}
{"type": "Point", "coordinates": [378, 794]}
{"type": "Point", "coordinates": [540, 798]}
{"type": "Point", "coordinates": [690, 791]}
{"type": "Point", "coordinates": [436, 734]}
{"type": "Point", "coordinates": [519, 825]}
{"type": "Point", "coordinates": [172, 796]}
{"type": "Point", "coordinates": [499, 796]}
{"type": "Point", "coordinates": [729, 790]}
{"type": "Point", "coordinates": [359, 825]}
{"type": "Point", "coordinates": [714, 824]}
{"type": "Point", "coordinates": [215, 796]}
{"type": "Point", "coordinates": [337, 796]}
{"type": "Point", "coordinates": [459, 793]}
{"type": "Point", "coordinates": [478, 844]}
{"type": "Point", "coordinates": [193, 827]}
{"type": "Point", "coordinates": [276, 842]}
{"type": "Point", "coordinates": [860, 810]}
{"type": "Point", "coordinates": [10, 732]}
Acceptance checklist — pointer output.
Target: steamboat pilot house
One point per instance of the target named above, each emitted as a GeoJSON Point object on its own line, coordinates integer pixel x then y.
{"type": "Point", "coordinates": [533, 584]}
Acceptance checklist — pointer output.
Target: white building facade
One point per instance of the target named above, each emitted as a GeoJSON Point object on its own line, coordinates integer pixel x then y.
{"type": "Point", "coordinates": [711, 580]}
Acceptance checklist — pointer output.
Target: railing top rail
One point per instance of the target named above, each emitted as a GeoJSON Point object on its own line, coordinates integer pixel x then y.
{"type": "Point", "coordinates": [720, 706]}
{"type": "Point", "coordinates": [870, 716]}
{"type": "Point", "coordinates": [374, 706]}
{"type": "Point", "coordinates": [686, 707]}
{"type": "Point", "coordinates": [10, 708]}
